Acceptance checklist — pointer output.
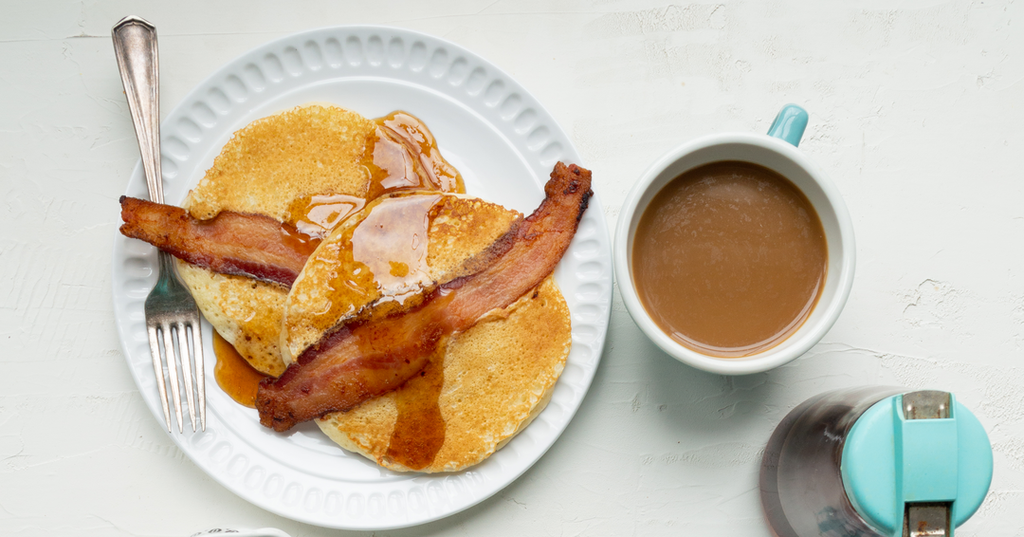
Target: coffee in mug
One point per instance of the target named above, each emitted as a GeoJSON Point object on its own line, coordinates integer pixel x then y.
{"type": "Point", "coordinates": [734, 253]}
{"type": "Point", "coordinates": [729, 258]}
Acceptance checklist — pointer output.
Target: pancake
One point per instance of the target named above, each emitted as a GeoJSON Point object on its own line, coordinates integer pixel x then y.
{"type": "Point", "coordinates": [312, 166]}
{"type": "Point", "coordinates": [277, 162]}
{"type": "Point", "coordinates": [488, 383]}
{"type": "Point", "coordinates": [275, 166]}
{"type": "Point", "coordinates": [495, 379]}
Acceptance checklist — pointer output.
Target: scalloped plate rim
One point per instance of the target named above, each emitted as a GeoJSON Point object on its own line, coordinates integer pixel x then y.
{"type": "Point", "coordinates": [127, 302]}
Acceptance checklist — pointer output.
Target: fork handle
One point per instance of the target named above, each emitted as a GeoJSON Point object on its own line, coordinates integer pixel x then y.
{"type": "Point", "coordinates": [135, 48]}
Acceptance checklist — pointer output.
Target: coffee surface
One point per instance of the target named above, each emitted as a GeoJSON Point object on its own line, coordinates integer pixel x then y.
{"type": "Point", "coordinates": [729, 259]}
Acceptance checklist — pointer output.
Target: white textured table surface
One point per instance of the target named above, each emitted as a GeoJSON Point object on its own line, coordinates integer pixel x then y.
{"type": "Point", "coordinates": [915, 113]}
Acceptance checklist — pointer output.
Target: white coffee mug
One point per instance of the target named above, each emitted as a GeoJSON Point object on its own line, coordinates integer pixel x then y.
{"type": "Point", "coordinates": [776, 151]}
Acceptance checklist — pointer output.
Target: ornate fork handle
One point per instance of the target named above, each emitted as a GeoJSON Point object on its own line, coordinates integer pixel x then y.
{"type": "Point", "coordinates": [135, 47]}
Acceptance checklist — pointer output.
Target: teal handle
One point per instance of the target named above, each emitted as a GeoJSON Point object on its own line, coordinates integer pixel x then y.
{"type": "Point", "coordinates": [789, 125]}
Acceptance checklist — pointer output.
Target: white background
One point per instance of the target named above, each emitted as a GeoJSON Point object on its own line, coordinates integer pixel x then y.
{"type": "Point", "coordinates": [916, 113]}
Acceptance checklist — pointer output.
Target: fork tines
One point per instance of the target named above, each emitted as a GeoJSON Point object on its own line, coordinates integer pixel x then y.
{"type": "Point", "coordinates": [175, 342]}
{"type": "Point", "coordinates": [182, 344]}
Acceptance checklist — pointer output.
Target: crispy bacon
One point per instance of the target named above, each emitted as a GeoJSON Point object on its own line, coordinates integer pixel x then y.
{"type": "Point", "coordinates": [360, 360]}
{"type": "Point", "coordinates": [230, 243]}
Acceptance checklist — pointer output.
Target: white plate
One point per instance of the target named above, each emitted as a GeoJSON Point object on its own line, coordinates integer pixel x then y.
{"type": "Point", "coordinates": [502, 141]}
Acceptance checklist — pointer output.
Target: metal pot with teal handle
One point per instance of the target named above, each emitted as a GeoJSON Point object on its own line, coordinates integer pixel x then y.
{"type": "Point", "coordinates": [875, 462]}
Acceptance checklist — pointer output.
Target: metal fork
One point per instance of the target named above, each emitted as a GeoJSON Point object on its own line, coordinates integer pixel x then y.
{"type": "Point", "coordinates": [170, 308]}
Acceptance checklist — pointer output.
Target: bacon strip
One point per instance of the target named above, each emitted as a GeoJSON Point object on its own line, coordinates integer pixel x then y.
{"type": "Point", "coordinates": [230, 243]}
{"type": "Point", "coordinates": [364, 359]}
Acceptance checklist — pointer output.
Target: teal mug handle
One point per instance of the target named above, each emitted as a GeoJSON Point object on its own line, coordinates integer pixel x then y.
{"type": "Point", "coordinates": [789, 125]}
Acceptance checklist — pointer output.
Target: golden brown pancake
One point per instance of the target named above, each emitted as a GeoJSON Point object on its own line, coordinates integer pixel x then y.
{"type": "Point", "coordinates": [489, 382]}
{"type": "Point", "coordinates": [280, 160]}
{"type": "Point", "coordinates": [274, 167]}
{"type": "Point", "coordinates": [497, 377]}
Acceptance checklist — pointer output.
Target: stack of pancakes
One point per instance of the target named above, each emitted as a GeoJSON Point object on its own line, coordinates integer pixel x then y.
{"type": "Point", "coordinates": [489, 382]}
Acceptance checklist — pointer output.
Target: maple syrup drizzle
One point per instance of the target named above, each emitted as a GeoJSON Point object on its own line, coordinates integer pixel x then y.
{"type": "Point", "coordinates": [403, 154]}
{"type": "Point", "coordinates": [392, 243]}
{"type": "Point", "coordinates": [400, 154]}
{"type": "Point", "coordinates": [389, 252]}
{"type": "Point", "coordinates": [317, 215]}
{"type": "Point", "coordinates": [419, 429]}
{"type": "Point", "coordinates": [418, 138]}
{"type": "Point", "coordinates": [380, 258]}
{"type": "Point", "coordinates": [234, 375]}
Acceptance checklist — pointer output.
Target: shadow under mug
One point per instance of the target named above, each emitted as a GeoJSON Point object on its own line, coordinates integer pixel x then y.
{"type": "Point", "coordinates": [776, 151]}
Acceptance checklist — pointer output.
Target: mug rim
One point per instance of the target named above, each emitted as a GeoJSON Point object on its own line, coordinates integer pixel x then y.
{"type": "Point", "coordinates": [799, 342]}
